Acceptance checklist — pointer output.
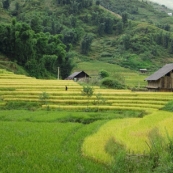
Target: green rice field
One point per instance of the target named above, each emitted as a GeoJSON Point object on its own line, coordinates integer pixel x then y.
{"type": "Point", "coordinates": [47, 129]}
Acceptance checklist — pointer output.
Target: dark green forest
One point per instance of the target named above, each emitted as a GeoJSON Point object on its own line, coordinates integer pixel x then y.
{"type": "Point", "coordinates": [43, 35]}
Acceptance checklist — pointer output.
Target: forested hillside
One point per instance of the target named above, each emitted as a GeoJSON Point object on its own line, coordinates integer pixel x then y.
{"type": "Point", "coordinates": [44, 35]}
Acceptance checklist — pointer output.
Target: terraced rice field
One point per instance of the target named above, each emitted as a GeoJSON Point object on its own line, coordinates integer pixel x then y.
{"type": "Point", "coordinates": [132, 133]}
{"type": "Point", "coordinates": [22, 88]}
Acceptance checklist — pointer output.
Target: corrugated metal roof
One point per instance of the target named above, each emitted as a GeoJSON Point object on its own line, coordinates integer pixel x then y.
{"type": "Point", "coordinates": [161, 72]}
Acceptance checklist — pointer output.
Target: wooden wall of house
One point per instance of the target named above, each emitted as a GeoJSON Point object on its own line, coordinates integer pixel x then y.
{"type": "Point", "coordinates": [154, 84]}
{"type": "Point", "coordinates": [166, 82]}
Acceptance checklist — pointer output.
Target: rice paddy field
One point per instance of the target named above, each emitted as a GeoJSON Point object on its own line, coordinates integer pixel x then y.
{"type": "Point", "coordinates": [47, 129]}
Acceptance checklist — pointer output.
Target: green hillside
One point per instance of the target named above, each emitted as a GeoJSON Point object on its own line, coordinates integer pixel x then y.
{"type": "Point", "coordinates": [137, 35]}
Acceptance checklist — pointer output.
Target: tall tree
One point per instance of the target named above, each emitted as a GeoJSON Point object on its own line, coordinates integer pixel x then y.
{"type": "Point", "coordinates": [124, 18]}
{"type": "Point", "coordinates": [101, 29]}
{"type": "Point", "coordinates": [35, 24]}
{"type": "Point", "coordinates": [126, 42]}
{"type": "Point", "coordinates": [86, 43]}
{"type": "Point", "coordinates": [119, 27]}
{"type": "Point", "coordinates": [109, 25]}
{"type": "Point", "coordinates": [166, 40]}
{"type": "Point", "coordinates": [6, 4]}
{"type": "Point", "coordinates": [171, 46]}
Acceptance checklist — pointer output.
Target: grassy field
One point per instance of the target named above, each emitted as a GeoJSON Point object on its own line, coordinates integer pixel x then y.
{"type": "Point", "coordinates": [64, 131]}
{"type": "Point", "coordinates": [131, 78]}
{"type": "Point", "coordinates": [43, 144]}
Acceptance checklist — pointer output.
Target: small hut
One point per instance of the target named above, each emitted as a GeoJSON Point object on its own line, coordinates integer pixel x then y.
{"type": "Point", "coordinates": [144, 70]}
{"type": "Point", "coordinates": [161, 80]}
{"type": "Point", "coordinates": [78, 75]}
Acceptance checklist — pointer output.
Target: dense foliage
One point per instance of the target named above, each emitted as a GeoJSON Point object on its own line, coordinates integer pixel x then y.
{"type": "Point", "coordinates": [112, 83]}
{"type": "Point", "coordinates": [40, 53]}
{"type": "Point", "coordinates": [59, 30]}
{"type": "Point", "coordinates": [137, 10]}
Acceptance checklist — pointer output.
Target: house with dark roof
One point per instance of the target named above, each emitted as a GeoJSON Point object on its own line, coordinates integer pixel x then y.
{"type": "Point", "coordinates": [78, 75]}
{"type": "Point", "coordinates": [161, 80]}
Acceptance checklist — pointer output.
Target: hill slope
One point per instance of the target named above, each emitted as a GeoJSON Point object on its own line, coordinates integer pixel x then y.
{"type": "Point", "coordinates": [142, 38]}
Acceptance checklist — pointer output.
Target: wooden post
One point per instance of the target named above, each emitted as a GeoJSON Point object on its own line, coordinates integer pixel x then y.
{"type": "Point", "coordinates": [58, 74]}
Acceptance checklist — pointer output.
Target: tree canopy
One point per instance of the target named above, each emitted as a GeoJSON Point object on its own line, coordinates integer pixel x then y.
{"type": "Point", "coordinates": [40, 53]}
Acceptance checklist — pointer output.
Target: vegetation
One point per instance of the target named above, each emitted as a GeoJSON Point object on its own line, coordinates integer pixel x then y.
{"type": "Point", "coordinates": [129, 78]}
{"type": "Point", "coordinates": [112, 83]}
{"type": "Point", "coordinates": [49, 140]}
{"type": "Point", "coordinates": [113, 134]}
{"type": "Point", "coordinates": [53, 131]}
{"type": "Point", "coordinates": [168, 106]}
{"type": "Point", "coordinates": [138, 37]}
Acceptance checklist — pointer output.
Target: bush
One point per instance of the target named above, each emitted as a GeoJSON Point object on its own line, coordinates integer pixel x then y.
{"type": "Point", "coordinates": [44, 97]}
{"type": "Point", "coordinates": [103, 74]}
{"type": "Point", "coordinates": [112, 83]}
{"type": "Point", "coordinates": [168, 106]}
{"type": "Point", "coordinates": [87, 91]}
{"type": "Point", "coordinates": [106, 54]}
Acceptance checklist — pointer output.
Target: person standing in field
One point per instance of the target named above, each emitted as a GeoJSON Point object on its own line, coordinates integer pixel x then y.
{"type": "Point", "coordinates": [66, 88]}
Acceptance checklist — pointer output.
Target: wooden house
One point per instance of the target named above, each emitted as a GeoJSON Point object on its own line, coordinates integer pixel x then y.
{"type": "Point", "coordinates": [161, 80]}
{"type": "Point", "coordinates": [78, 75]}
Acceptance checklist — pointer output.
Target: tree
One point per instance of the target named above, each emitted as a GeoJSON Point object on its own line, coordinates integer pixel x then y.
{"type": "Point", "coordinates": [39, 52]}
{"type": "Point", "coordinates": [74, 7]}
{"type": "Point", "coordinates": [166, 40]}
{"type": "Point", "coordinates": [73, 21]}
{"type": "Point", "coordinates": [109, 25]}
{"type": "Point", "coordinates": [124, 18]}
{"type": "Point", "coordinates": [86, 43]}
{"type": "Point", "coordinates": [167, 27]}
{"type": "Point", "coordinates": [126, 42]}
{"type": "Point", "coordinates": [158, 38]}
{"type": "Point", "coordinates": [119, 27]}
{"type": "Point", "coordinates": [97, 2]}
{"type": "Point", "coordinates": [35, 24]}
{"type": "Point", "coordinates": [67, 66]}
{"type": "Point", "coordinates": [101, 29]}
{"type": "Point", "coordinates": [171, 46]}
{"type": "Point", "coordinates": [70, 36]}
{"type": "Point", "coordinates": [6, 4]}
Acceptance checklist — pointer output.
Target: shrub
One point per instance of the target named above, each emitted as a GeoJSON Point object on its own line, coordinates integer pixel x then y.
{"type": "Point", "coordinates": [168, 106]}
{"type": "Point", "coordinates": [112, 83]}
{"type": "Point", "coordinates": [106, 54]}
{"type": "Point", "coordinates": [87, 91]}
{"type": "Point", "coordinates": [103, 74]}
{"type": "Point", "coordinates": [44, 97]}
